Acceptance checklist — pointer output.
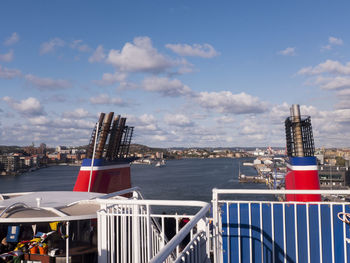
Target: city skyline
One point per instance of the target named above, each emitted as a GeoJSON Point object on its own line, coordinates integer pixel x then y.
{"type": "Point", "coordinates": [185, 74]}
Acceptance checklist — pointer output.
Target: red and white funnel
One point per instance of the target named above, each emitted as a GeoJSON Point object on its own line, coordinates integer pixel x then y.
{"type": "Point", "coordinates": [107, 166]}
{"type": "Point", "coordinates": [302, 164]}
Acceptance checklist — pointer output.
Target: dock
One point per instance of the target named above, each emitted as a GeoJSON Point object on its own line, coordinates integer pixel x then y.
{"type": "Point", "coordinates": [252, 179]}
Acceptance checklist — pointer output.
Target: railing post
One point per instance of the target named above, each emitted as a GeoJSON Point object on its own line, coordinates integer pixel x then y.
{"type": "Point", "coordinates": [101, 231]}
{"type": "Point", "coordinates": [149, 234]}
{"type": "Point", "coordinates": [67, 242]}
{"type": "Point", "coordinates": [202, 227]}
{"type": "Point", "coordinates": [216, 243]}
{"type": "Point", "coordinates": [136, 234]}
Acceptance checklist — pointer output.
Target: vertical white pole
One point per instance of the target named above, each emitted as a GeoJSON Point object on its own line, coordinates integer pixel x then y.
{"type": "Point", "coordinates": [149, 234]}
{"type": "Point", "coordinates": [93, 155]}
{"type": "Point", "coordinates": [67, 242]}
{"type": "Point", "coordinates": [136, 234]}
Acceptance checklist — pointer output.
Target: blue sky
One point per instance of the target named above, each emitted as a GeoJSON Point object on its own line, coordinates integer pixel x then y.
{"type": "Point", "coordinates": [185, 73]}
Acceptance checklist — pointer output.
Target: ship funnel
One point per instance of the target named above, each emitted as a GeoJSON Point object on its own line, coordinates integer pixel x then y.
{"type": "Point", "coordinates": [302, 164]}
{"type": "Point", "coordinates": [107, 169]}
{"type": "Point", "coordinates": [299, 137]}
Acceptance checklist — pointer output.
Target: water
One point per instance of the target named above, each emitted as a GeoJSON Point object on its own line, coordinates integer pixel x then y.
{"type": "Point", "coordinates": [186, 179]}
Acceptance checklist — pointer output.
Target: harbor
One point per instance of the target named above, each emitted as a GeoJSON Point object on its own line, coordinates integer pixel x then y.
{"type": "Point", "coordinates": [180, 179]}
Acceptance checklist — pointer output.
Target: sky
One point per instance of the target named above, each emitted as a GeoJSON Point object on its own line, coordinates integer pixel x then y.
{"type": "Point", "coordinates": [184, 73]}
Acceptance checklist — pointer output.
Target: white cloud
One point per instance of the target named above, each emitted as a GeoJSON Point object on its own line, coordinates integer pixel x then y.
{"type": "Point", "coordinates": [161, 138]}
{"type": "Point", "coordinates": [225, 120]}
{"type": "Point", "coordinates": [165, 86]}
{"type": "Point", "coordinates": [76, 114]}
{"type": "Point", "coordinates": [289, 51]}
{"type": "Point", "coordinates": [6, 73]}
{"type": "Point", "coordinates": [29, 107]}
{"type": "Point", "coordinates": [98, 55]}
{"type": "Point", "coordinates": [343, 104]}
{"type": "Point", "coordinates": [80, 46]}
{"type": "Point", "coordinates": [329, 66]}
{"type": "Point", "coordinates": [110, 79]}
{"type": "Point", "coordinates": [251, 127]}
{"type": "Point", "coordinates": [7, 57]}
{"type": "Point", "coordinates": [331, 75]}
{"type": "Point", "coordinates": [278, 113]}
{"type": "Point", "coordinates": [227, 102]}
{"type": "Point", "coordinates": [178, 120]}
{"type": "Point", "coordinates": [344, 93]}
{"type": "Point", "coordinates": [139, 56]}
{"type": "Point", "coordinates": [49, 130]}
{"type": "Point", "coordinates": [145, 123]}
{"type": "Point", "coordinates": [332, 41]}
{"type": "Point", "coordinates": [184, 66]}
{"type": "Point", "coordinates": [333, 83]}
{"type": "Point", "coordinates": [335, 41]}
{"type": "Point", "coordinates": [47, 83]}
{"type": "Point", "coordinates": [105, 99]}
{"type": "Point", "coordinates": [39, 120]}
{"type": "Point", "coordinates": [14, 38]}
{"type": "Point", "coordinates": [196, 50]}
{"type": "Point", "coordinates": [51, 45]}
{"type": "Point", "coordinates": [72, 124]}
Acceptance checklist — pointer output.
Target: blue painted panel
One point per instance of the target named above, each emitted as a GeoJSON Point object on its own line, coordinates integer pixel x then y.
{"type": "Point", "coordinates": [267, 233]}
{"type": "Point", "coordinates": [234, 256]}
{"type": "Point", "coordinates": [224, 231]}
{"type": "Point", "coordinates": [338, 234]}
{"type": "Point", "coordinates": [326, 233]}
{"type": "Point", "coordinates": [245, 235]}
{"type": "Point", "coordinates": [347, 232]}
{"type": "Point", "coordinates": [314, 234]}
{"type": "Point", "coordinates": [278, 232]}
{"type": "Point", "coordinates": [290, 233]}
{"type": "Point", "coordinates": [97, 162]}
{"type": "Point", "coordinates": [310, 160]}
{"type": "Point", "coordinates": [302, 233]}
{"type": "Point", "coordinates": [256, 233]}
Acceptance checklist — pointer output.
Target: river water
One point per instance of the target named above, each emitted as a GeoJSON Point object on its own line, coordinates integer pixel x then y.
{"type": "Point", "coordinates": [185, 179]}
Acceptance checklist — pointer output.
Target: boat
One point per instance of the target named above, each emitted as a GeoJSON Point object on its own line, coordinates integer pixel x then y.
{"type": "Point", "coordinates": [114, 223]}
{"type": "Point", "coordinates": [160, 163]}
{"type": "Point", "coordinates": [142, 161]}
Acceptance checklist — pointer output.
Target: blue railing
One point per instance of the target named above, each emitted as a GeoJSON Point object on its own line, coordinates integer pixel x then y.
{"type": "Point", "coordinates": [255, 231]}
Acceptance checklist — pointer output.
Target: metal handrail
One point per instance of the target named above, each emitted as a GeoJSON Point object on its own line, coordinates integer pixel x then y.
{"type": "Point", "coordinates": [274, 192]}
{"type": "Point", "coordinates": [152, 202]}
{"type": "Point", "coordinates": [123, 192]}
{"type": "Point", "coordinates": [189, 245]}
{"type": "Point", "coordinates": [13, 206]}
{"type": "Point", "coordinates": [176, 240]}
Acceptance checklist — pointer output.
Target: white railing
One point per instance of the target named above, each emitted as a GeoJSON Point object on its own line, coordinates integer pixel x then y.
{"type": "Point", "coordinates": [128, 231]}
{"type": "Point", "coordinates": [247, 231]}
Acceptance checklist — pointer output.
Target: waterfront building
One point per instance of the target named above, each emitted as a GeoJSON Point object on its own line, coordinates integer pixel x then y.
{"type": "Point", "coordinates": [10, 163]}
{"type": "Point", "coordinates": [334, 176]}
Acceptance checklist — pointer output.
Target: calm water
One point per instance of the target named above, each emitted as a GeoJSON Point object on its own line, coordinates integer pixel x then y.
{"type": "Point", "coordinates": [187, 179]}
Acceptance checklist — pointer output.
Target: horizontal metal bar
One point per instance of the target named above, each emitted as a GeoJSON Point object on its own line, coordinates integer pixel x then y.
{"type": "Point", "coordinates": [274, 192]}
{"type": "Point", "coordinates": [152, 202]}
{"type": "Point", "coordinates": [17, 193]}
{"type": "Point", "coordinates": [47, 219]}
{"type": "Point", "coordinates": [280, 202]}
{"type": "Point", "coordinates": [122, 192]}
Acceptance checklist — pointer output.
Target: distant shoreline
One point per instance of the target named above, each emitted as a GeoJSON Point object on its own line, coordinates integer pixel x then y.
{"type": "Point", "coordinates": [32, 169]}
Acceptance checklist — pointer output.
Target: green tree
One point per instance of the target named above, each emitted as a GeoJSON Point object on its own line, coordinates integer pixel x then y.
{"type": "Point", "coordinates": [340, 161]}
